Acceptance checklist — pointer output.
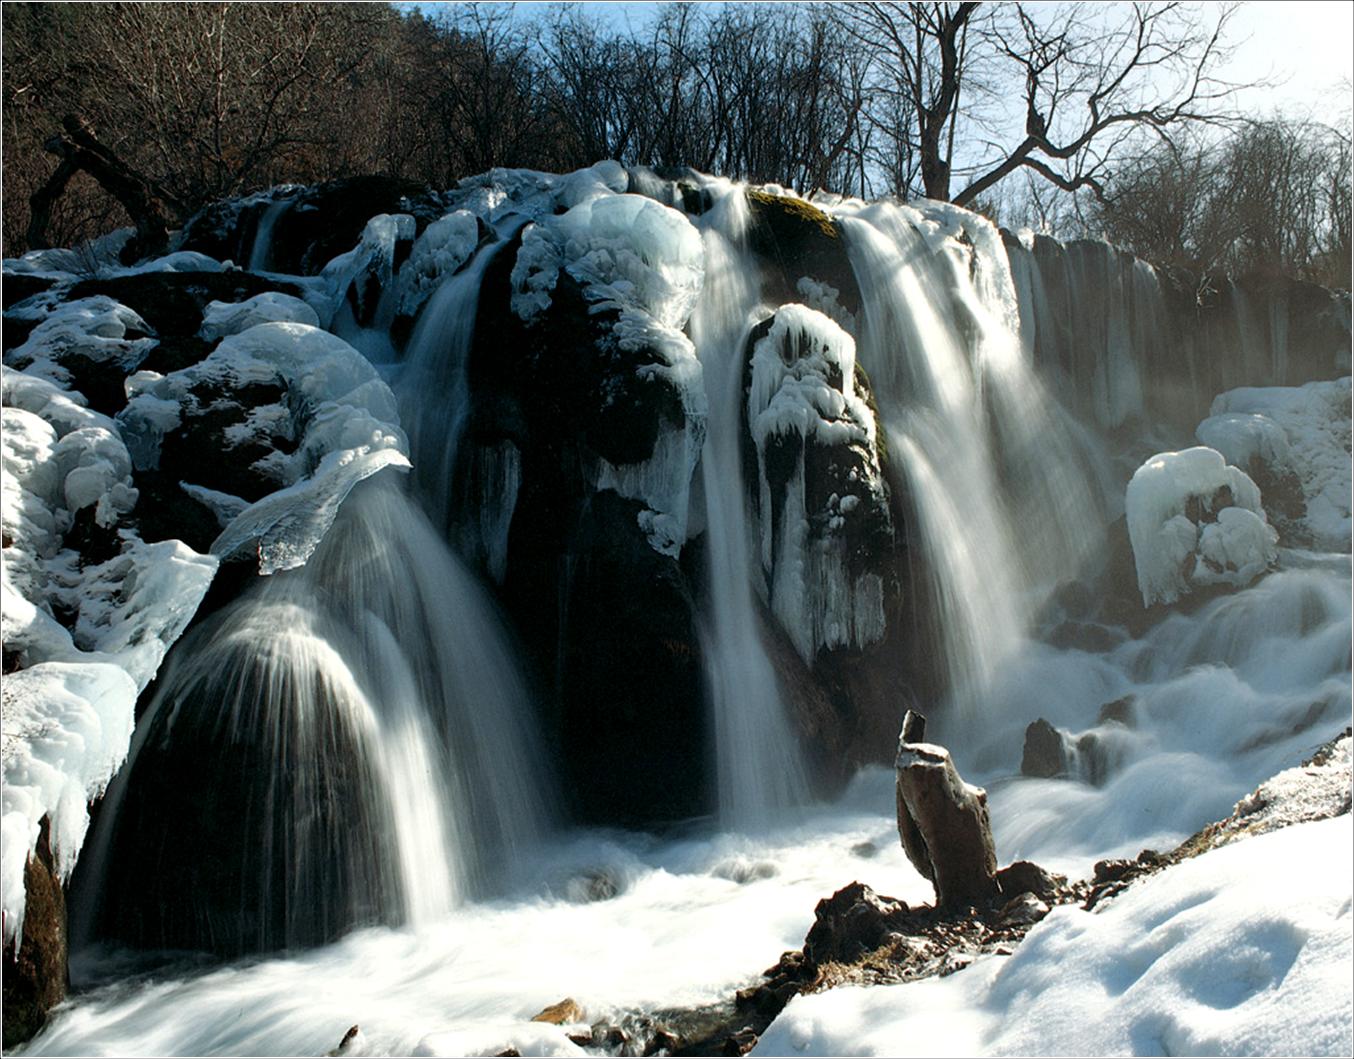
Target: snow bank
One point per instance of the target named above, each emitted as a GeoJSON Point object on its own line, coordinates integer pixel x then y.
{"type": "Point", "coordinates": [335, 407]}
{"type": "Point", "coordinates": [802, 399]}
{"type": "Point", "coordinates": [1241, 951]}
{"type": "Point", "coordinates": [221, 319]}
{"type": "Point", "coordinates": [67, 711]}
{"type": "Point", "coordinates": [1192, 519]}
{"type": "Point", "coordinates": [1305, 429]}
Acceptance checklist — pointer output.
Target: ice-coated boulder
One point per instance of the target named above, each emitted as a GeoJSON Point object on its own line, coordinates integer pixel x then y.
{"type": "Point", "coordinates": [1193, 520]}
{"type": "Point", "coordinates": [284, 417]}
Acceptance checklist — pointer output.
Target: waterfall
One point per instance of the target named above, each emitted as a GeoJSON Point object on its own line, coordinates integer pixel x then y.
{"type": "Point", "coordinates": [261, 251]}
{"type": "Point", "coordinates": [433, 388]}
{"type": "Point", "coordinates": [1001, 505]}
{"type": "Point", "coordinates": [357, 738]}
{"type": "Point", "coordinates": [758, 764]}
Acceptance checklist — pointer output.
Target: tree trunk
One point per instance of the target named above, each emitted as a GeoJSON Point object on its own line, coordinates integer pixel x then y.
{"type": "Point", "coordinates": [943, 821]}
{"type": "Point", "coordinates": [79, 149]}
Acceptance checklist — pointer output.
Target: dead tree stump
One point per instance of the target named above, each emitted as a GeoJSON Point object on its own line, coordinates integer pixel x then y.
{"type": "Point", "coordinates": [943, 821]}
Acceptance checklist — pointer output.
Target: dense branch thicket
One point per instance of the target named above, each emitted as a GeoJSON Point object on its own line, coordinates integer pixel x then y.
{"type": "Point", "coordinates": [948, 100]}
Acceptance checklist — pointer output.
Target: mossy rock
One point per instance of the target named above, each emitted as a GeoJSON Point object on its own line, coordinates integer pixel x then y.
{"type": "Point", "coordinates": [793, 238]}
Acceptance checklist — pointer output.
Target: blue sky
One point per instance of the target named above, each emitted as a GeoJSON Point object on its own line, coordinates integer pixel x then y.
{"type": "Point", "coordinates": [1305, 46]}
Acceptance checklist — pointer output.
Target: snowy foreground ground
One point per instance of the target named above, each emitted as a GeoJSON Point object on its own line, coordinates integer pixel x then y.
{"type": "Point", "coordinates": [1243, 950]}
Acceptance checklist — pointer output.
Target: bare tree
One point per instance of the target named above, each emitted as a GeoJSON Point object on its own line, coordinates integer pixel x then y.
{"type": "Point", "coordinates": [1090, 80]}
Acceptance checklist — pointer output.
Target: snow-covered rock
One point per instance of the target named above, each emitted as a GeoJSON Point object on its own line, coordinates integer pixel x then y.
{"type": "Point", "coordinates": [97, 330]}
{"type": "Point", "coordinates": [1194, 520]}
{"type": "Point", "coordinates": [444, 247]}
{"type": "Point", "coordinates": [820, 488]}
{"type": "Point", "coordinates": [639, 266]}
{"type": "Point", "coordinates": [85, 636]}
{"type": "Point", "coordinates": [221, 319]}
{"type": "Point", "coordinates": [333, 423]}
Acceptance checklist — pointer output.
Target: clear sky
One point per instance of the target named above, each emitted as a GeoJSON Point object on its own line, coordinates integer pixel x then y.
{"type": "Point", "coordinates": [1306, 44]}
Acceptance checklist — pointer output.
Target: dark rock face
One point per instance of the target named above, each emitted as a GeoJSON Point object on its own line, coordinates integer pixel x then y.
{"type": "Point", "coordinates": [320, 223]}
{"type": "Point", "coordinates": [796, 239]}
{"type": "Point", "coordinates": [35, 974]}
{"type": "Point", "coordinates": [173, 302]}
{"type": "Point", "coordinates": [19, 285]}
{"type": "Point", "coordinates": [1044, 756]}
{"type": "Point", "coordinates": [606, 620]}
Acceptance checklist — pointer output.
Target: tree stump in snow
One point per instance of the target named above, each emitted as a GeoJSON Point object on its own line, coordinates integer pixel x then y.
{"type": "Point", "coordinates": [943, 821]}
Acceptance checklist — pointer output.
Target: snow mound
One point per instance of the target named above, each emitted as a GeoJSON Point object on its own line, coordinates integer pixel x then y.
{"type": "Point", "coordinates": [98, 329]}
{"type": "Point", "coordinates": [627, 251]}
{"type": "Point", "coordinates": [1192, 520]}
{"type": "Point", "coordinates": [444, 246]}
{"type": "Point", "coordinates": [801, 402]}
{"type": "Point", "coordinates": [1305, 429]}
{"type": "Point", "coordinates": [1241, 951]}
{"type": "Point", "coordinates": [341, 416]}
{"type": "Point", "coordinates": [221, 319]}
{"type": "Point", "coordinates": [68, 709]}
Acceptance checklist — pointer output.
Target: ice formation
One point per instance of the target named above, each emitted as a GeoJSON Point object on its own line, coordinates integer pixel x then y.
{"type": "Point", "coordinates": [360, 276]}
{"type": "Point", "coordinates": [803, 410]}
{"type": "Point", "coordinates": [444, 246]}
{"type": "Point", "coordinates": [88, 636]}
{"type": "Point", "coordinates": [221, 319]}
{"type": "Point", "coordinates": [1192, 519]}
{"type": "Point", "coordinates": [97, 329]}
{"type": "Point", "coordinates": [336, 409]}
{"type": "Point", "coordinates": [644, 262]}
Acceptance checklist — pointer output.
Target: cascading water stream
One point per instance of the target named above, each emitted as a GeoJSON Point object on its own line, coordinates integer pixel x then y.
{"type": "Point", "coordinates": [984, 462]}
{"type": "Point", "coordinates": [432, 386]}
{"type": "Point", "coordinates": [759, 767]}
{"type": "Point", "coordinates": [261, 252]}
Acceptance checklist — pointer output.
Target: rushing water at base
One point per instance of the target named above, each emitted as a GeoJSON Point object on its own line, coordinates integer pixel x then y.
{"type": "Point", "coordinates": [1223, 698]}
{"type": "Point", "coordinates": [759, 768]}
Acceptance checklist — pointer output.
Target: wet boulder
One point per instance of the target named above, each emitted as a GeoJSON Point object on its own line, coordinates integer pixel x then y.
{"type": "Point", "coordinates": [804, 254]}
